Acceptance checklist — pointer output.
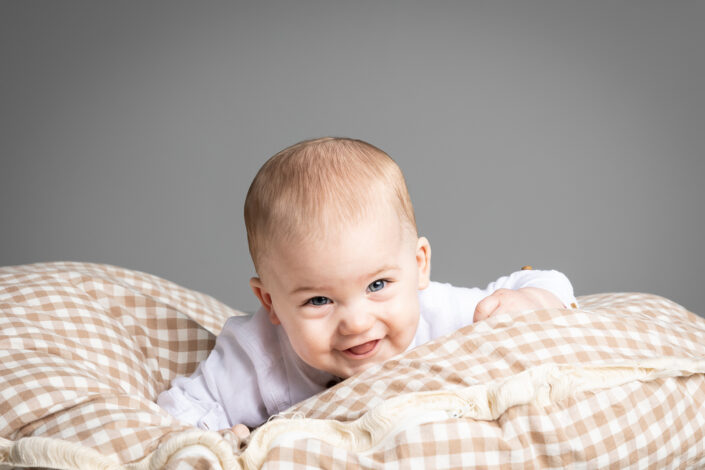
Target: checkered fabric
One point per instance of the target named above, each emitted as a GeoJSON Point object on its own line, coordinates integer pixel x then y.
{"type": "Point", "coordinates": [659, 424]}
{"type": "Point", "coordinates": [87, 348]}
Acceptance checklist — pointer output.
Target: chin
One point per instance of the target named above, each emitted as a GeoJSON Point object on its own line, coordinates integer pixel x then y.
{"type": "Point", "coordinates": [360, 368]}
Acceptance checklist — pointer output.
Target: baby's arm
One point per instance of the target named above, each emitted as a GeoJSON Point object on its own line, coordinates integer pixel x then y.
{"type": "Point", "coordinates": [526, 290]}
{"type": "Point", "coordinates": [191, 401]}
{"type": "Point", "coordinates": [221, 393]}
{"type": "Point", "coordinates": [508, 300]}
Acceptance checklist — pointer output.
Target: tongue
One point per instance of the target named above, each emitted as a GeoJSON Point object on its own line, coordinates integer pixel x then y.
{"type": "Point", "coordinates": [363, 348]}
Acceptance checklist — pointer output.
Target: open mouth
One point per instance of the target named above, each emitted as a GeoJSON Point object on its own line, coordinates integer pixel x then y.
{"type": "Point", "coordinates": [362, 350]}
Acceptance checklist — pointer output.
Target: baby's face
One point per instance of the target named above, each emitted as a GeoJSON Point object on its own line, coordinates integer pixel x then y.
{"type": "Point", "coordinates": [348, 301]}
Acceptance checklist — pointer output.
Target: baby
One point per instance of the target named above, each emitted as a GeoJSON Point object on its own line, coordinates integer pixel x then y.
{"type": "Point", "coordinates": [343, 279]}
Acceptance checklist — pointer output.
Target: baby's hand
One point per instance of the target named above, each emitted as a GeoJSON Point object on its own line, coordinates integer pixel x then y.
{"type": "Point", "coordinates": [237, 435]}
{"type": "Point", "coordinates": [508, 300]}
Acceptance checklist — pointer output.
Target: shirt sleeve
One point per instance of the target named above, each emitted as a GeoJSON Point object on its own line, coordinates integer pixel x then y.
{"type": "Point", "coordinates": [445, 308]}
{"type": "Point", "coordinates": [553, 281]}
{"type": "Point", "coordinates": [190, 401]}
{"type": "Point", "coordinates": [222, 392]}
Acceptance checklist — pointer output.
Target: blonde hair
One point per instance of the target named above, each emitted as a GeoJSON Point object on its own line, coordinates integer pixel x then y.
{"type": "Point", "coordinates": [324, 182]}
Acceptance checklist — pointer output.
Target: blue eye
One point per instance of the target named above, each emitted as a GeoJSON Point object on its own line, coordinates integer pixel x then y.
{"type": "Point", "coordinates": [318, 301]}
{"type": "Point", "coordinates": [377, 285]}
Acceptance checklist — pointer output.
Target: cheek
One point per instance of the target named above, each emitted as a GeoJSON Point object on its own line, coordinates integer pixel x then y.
{"type": "Point", "coordinates": [402, 314]}
{"type": "Point", "coordinates": [409, 312]}
{"type": "Point", "coordinates": [308, 338]}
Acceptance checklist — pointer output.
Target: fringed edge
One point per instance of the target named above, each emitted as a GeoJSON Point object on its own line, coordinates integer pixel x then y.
{"type": "Point", "coordinates": [53, 453]}
{"type": "Point", "coordinates": [60, 454]}
{"type": "Point", "coordinates": [540, 385]}
{"type": "Point", "coordinates": [221, 449]}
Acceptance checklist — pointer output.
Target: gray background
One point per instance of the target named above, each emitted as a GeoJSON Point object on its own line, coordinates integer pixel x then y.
{"type": "Point", "coordinates": [556, 133]}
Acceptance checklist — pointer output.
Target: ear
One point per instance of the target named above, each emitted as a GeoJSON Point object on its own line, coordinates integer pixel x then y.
{"type": "Point", "coordinates": [265, 298]}
{"type": "Point", "coordinates": [423, 262]}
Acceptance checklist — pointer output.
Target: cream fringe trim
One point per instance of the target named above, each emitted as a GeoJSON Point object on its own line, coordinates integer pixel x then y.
{"type": "Point", "coordinates": [541, 386]}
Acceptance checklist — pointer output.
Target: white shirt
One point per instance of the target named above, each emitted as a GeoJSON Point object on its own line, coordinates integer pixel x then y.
{"type": "Point", "coordinates": [253, 372]}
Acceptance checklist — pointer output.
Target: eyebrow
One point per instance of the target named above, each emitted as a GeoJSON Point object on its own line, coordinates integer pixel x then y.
{"type": "Point", "coordinates": [389, 267]}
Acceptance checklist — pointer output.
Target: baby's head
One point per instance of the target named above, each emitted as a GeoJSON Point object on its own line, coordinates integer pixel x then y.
{"type": "Point", "coordinates": [332, 234]}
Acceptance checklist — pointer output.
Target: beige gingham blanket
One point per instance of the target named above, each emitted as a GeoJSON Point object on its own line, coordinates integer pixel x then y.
{"type": "Point", "coordinates": [86, 349]}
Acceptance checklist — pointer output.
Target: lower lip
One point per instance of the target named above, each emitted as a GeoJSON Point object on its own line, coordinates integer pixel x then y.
{"type": "Point", "coordinates": [369, 353]}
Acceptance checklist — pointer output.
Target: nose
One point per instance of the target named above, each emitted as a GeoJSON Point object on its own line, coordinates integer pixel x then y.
{"type": "Point", "coordinates": [355, 322]}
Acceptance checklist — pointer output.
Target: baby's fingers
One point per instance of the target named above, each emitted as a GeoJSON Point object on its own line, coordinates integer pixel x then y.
{"type": "Point", "coordinates": [241, 431]}
{"type": "Point", "coordinates": [237, 436]}
{"type": "Point", "coordinates": [486, 307]}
